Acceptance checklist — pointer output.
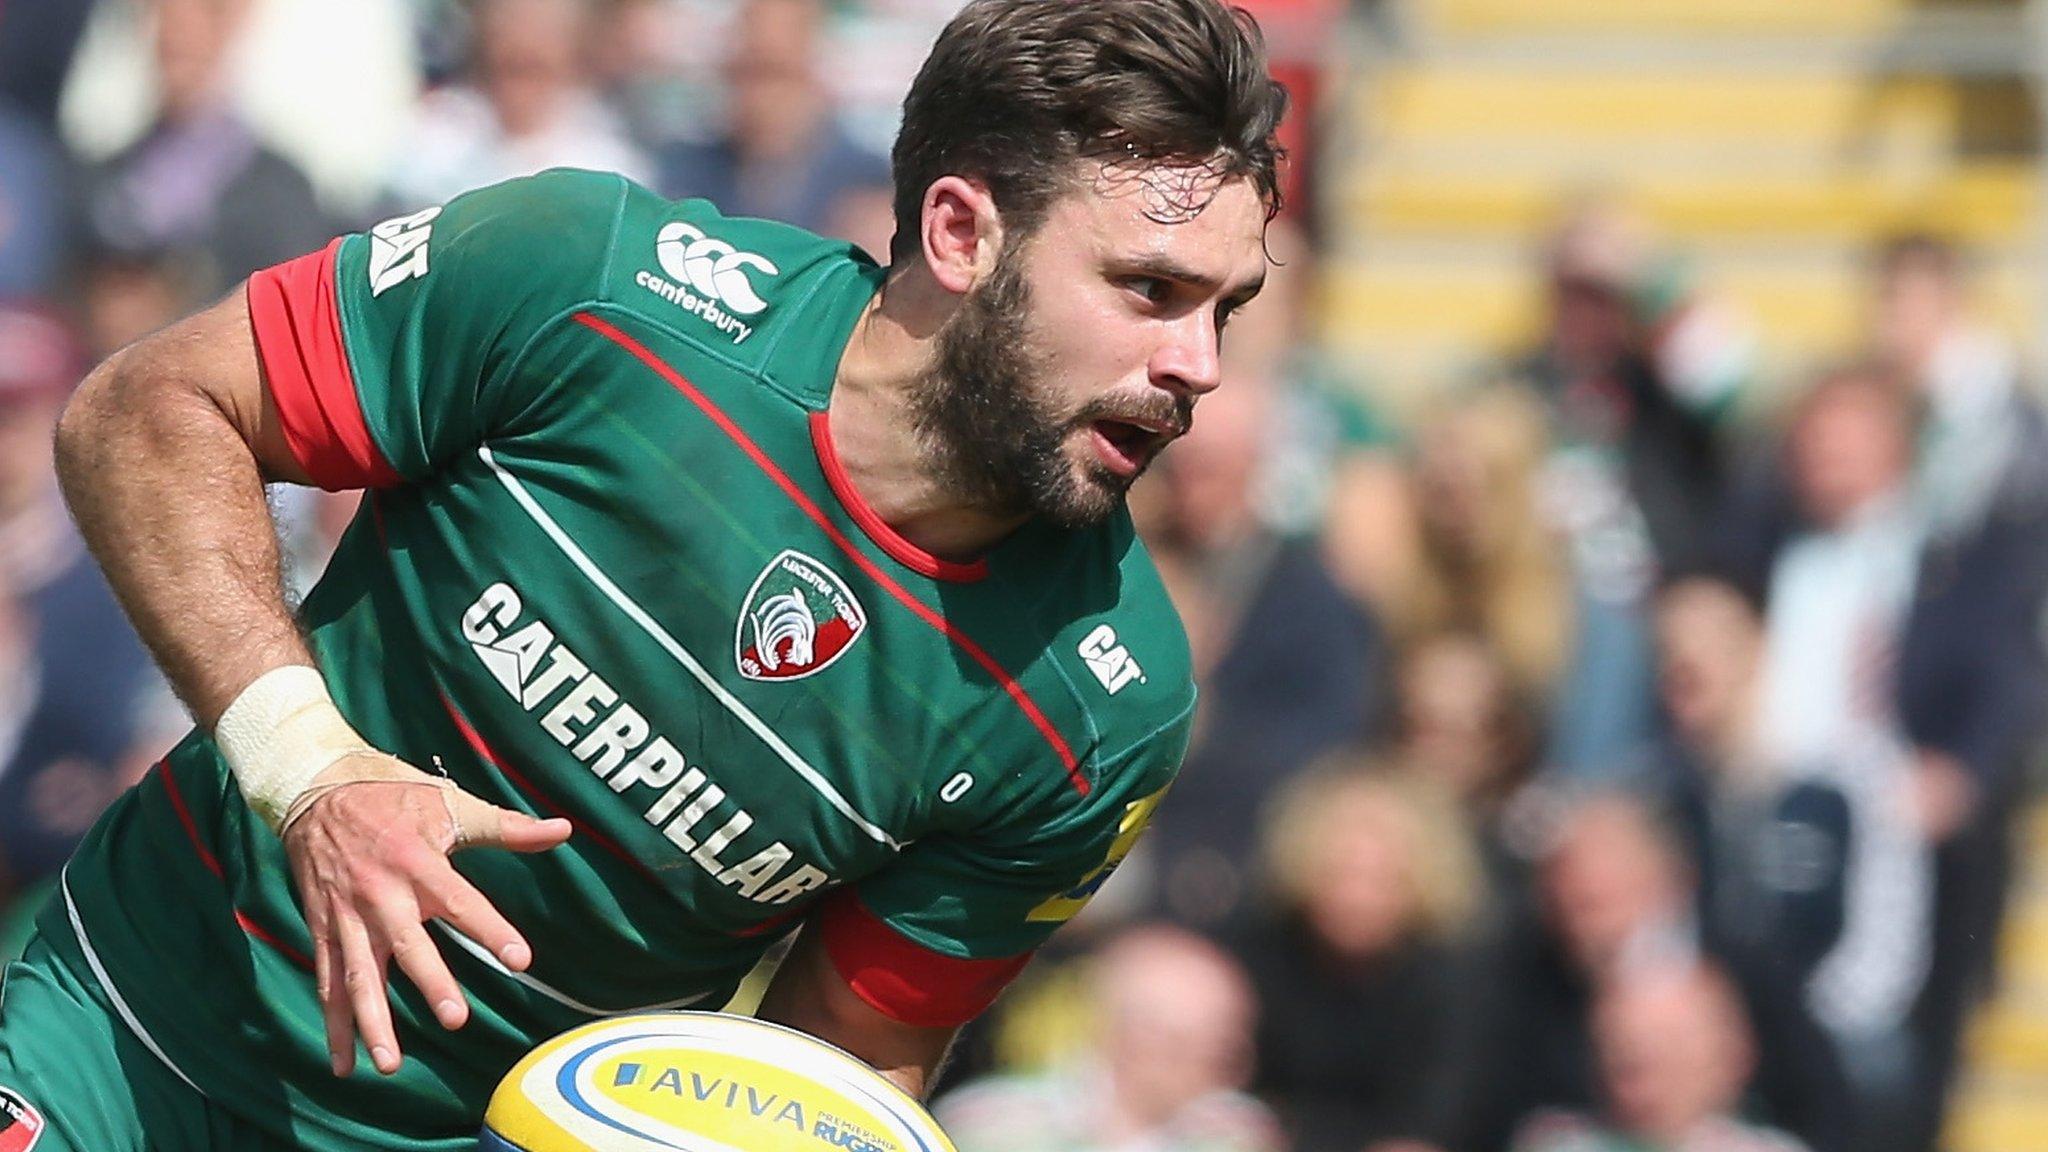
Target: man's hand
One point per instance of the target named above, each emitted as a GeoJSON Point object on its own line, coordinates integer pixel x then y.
{"type": "Point", "coordinates": [371, 860]}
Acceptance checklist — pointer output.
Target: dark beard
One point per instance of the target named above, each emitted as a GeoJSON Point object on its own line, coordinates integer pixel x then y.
{"type": "Point", "coordinates": [986, 426]}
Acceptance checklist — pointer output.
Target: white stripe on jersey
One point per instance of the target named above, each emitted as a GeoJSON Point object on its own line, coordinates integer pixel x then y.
{"type": "Point", "coordinates": [557, 995]}
{"type": "Point", "coordinates": [682, 655]}
{"type": "Point", "coordinates": [106, 982]}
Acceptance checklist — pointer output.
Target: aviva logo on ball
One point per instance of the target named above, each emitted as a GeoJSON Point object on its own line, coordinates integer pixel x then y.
{"type": "Point", "coordinates": [797, 619]}
{"type": "Point", "coordinates": [700, 1082]}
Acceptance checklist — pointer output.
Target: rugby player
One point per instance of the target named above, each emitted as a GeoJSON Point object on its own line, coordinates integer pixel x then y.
{"type": "Point", "coordinates": [711, 582]}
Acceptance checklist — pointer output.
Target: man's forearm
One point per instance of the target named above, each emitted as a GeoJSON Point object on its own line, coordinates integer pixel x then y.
{"type": "Point", "coordinates": [169, 497]}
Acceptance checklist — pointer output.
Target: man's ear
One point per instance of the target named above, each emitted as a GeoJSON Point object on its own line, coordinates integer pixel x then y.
{"type": "Point", "coordinates": [962, 233]}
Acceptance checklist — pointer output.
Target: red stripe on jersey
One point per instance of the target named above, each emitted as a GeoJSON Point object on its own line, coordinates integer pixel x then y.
{"type": "Point", "coordinates": [283, 949]}
{"type": "Point", "coordinates": [296, 316]}
{"type": "Point", "coordinates": [206, 855]}
{"type": "Point", "coordinates": [909, 555]}
{"type": "Point", "coordinates": [903, 980]}
{"type": "Point", "coordinates": [874, 571]}
{"type": "Point", "coordinates": [212, 863]}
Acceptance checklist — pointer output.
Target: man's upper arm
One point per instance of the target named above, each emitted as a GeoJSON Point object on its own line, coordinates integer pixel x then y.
{"type": "Point", "coordinates": [212, 354]}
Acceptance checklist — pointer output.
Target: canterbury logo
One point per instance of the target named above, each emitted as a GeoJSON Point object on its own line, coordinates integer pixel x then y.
{"type": "Point", "coordinates": [714, 268]}
{"type": "Point", "coordinates": [780, 618]}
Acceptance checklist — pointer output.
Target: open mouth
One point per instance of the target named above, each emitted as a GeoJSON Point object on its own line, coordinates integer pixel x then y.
{"type": "Point", "coordinates": [1128, 445]}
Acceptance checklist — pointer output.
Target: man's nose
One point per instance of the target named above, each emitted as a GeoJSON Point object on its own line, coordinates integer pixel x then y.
{"type": "Point", "coordinates": [1191, 360]}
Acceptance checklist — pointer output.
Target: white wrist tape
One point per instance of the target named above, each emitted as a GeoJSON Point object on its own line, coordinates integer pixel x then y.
{"type": "Point", "coordinates": [279, 734]}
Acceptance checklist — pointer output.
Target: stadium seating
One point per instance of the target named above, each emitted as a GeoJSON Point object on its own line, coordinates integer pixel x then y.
{"type": "Point", "coordinates": [1773, 143]}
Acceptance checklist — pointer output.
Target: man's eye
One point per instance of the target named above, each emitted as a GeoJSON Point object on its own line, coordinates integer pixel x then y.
{"type": "Point", "coordinates": [1152, 288]}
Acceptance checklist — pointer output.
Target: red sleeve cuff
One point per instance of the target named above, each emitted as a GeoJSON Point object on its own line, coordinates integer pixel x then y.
{"type": "Point", "coordinates": [905, 981]}
{"type": "Point", "coordinates": [297, 320]}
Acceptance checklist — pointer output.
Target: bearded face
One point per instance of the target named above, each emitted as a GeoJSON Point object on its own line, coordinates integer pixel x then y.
{"type": "Point", "coordinates": [992, 419]}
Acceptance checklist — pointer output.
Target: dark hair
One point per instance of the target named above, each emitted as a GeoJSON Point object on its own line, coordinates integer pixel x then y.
{"type": "Point", "coordinates": [1919, 250]}
{"type": "Point", "coordinates": [1751, 588]}
{"type": "Point", "coordinates": [1015, 92]}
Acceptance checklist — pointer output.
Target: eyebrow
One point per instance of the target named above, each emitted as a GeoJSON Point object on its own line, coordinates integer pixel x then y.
{"type": "Point", "coordinates": [1166, 268]}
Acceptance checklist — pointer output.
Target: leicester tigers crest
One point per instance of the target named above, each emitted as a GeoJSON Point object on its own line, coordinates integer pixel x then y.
{"type": "Point", "coordinates": [798, 618]}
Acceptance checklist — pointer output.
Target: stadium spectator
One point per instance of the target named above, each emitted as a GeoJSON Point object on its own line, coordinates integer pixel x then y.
{"type": "Point", "coordinates": [1840, 591]}
{"type": "Point", "coordinates": [1290, 667]}
{"type": "Point", "coordinates": [129, 292]}
{"type": "Point", "coordinates": [199, 181]}
{"type": "Point", "coordinates": [1485, 562]}
{"type": "Point", "coordinates": [1810, 866]}
{"type": "Point", "coordinates": [1983, 450]}
{"type": "Point", "coordinates": [1635, 370]}
{"type": "Point", "coordinates": [80, 695]}
{"type": "Point", "coordinates": [1616, 898]}
{"type": "Point", "coordinates": [1172, 1050]}
{"type": "Point", "coordinates": [37, 44]}
{"type": "Point", "coordinates": [530, 105]}
{"type": "Point", "coordinates": [1365, 1034]}
{"type": "Point", "coordinates": [35, 190]}
{"type": "Point", "coordinates": [1970, 682]}
{"type": "Point", "coordinates": [1675, 1054]}
{"type": "Point", "coordinates": [783, 154]}
{"type": "Point", "coordinates": [1331, 454]}
{"type": "Point", "coordinates": [1463, 723]}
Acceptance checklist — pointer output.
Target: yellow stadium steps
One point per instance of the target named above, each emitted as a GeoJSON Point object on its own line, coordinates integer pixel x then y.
{"type": "Point", "coordinates": [1417, 324]}
{"type": "Point", "coordinates": [1837, 18]}
{"type": "Point", "coordinates": [1988, 202]}
{"type": "Point", "coordinates": [2011, 1120]}
{"type": "Point", "coordinates": [1545, 102]}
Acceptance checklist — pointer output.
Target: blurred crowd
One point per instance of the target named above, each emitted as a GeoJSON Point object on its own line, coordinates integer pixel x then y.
{"type": "Point", "coordinates": [1620, 751]}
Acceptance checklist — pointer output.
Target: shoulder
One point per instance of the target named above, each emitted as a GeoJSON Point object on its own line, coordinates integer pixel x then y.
{"type": "Point", "coordinates": [1556, 1130]}
{"type": "Point", "coordinates": [1736, 1136]}
{"type": "Point", "coordinates": [766, 296]}
{"type": "Point", "coordinates": [1016, 1111]}
{"type": "Point", "coordinates": [1118, 639]}
{"type": "Point", "coordinates": [526, 229]}
{"type": "Point", "coordinates": [1229, 1122]}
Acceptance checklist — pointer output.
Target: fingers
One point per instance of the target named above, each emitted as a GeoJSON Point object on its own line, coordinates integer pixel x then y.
{"type": "Point", "coordinates": [327, 981]}
{"type": "Point", "coordinates": [370, 872]}
{"type": "Point", "coordinates": [480, 824]}
{"type": "Point", "coordinates": [363, 975]}
{"type": "Point", "coordinates": [421, 962]}
{"type": "Point", "coordinates": [468, 911]}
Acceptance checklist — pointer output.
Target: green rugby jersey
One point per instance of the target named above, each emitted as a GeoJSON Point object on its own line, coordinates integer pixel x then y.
{"type": "Point", "coordinates": [609, 568]}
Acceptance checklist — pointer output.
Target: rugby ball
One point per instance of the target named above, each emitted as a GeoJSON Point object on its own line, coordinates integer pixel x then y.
{"type": "Point", "coordinates": [700, 1082]}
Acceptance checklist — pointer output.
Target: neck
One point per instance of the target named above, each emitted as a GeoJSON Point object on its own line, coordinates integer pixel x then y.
{"type": "Point", "coordinates": [874, 426]}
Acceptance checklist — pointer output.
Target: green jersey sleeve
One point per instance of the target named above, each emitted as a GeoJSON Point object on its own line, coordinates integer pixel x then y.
{"type": "Point", "coordinates": [392, 351]}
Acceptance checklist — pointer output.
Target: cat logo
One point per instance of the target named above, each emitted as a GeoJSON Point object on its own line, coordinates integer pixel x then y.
{"type": "Point", "coordinates": [1110, 661]}
{"type": "Point", "coordinates": [798, 618]}
{"type": "Point", "coordinates": [398, 249]}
